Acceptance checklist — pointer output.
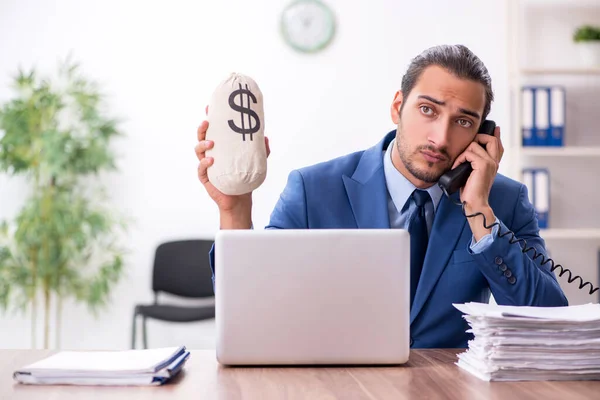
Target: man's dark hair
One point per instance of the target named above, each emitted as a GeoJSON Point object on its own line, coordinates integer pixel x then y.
{"type": "Point", "coordinates": [456, 59]}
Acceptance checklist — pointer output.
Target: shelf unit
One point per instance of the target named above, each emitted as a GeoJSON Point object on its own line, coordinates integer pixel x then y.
{"type": "Point", "coordinates": [540, 51]}
{"type": "Point", "coordinates": [579, 234]}
{"type": "Point", "coordinates": [560, 71]}
{"type": "Point", "coordinates": [567, 151]}
{"type": "Point", "coordinates": [563, 3]}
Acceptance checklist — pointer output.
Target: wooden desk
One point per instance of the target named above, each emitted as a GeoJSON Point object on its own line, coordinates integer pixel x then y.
{"type": "Point", "coordinates": [430, 374]}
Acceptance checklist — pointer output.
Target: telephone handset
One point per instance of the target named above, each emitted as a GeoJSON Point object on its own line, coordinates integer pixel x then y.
{"type": "Point", "coordinates": [456, 178]}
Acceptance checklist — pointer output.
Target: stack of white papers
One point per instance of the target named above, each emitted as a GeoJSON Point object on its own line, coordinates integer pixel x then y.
{"type": "Point", "coordinates": [532, 343]}
{"type": "Point", "coordinates": [120, 368]}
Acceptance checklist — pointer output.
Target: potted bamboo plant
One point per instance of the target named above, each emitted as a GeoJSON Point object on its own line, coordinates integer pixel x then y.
{"type": "Point", "coordinates": [65, 240]}
{"type": "Point", "coordinates": [587, 39]}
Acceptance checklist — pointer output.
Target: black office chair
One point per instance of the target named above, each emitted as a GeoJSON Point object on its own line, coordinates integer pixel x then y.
{"type": "Point", "coordinates": [181, 268]}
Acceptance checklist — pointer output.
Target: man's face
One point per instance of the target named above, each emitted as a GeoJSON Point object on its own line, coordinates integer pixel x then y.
{"type": "Point", "coordinates": [439, 119]}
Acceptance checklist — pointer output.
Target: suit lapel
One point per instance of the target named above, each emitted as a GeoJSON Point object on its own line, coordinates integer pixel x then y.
{"type": "Point", "coordinates": [367, 190]}
{"type": "Point", "coordinates": [447, 228]}
{"type": "Point", "coordinates": [368, 202]}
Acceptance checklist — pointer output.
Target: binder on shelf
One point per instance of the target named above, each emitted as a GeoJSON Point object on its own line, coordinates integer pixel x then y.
{"type": "Point", "coordinates": [543, 115]}
{"type": "Point", "coordinates": [557, 116]}
{"type": "Point", "coordinates": [528, 182]}
{"type": "Point", "coordinates": [537, 181]}
{"type": "Point", "coordinates": [541, 185]}
{"type": "Point", "coordinates": [527, 115]}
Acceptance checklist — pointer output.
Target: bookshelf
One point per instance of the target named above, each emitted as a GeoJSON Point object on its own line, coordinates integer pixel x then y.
{"type": "Point", "coordinates": [565, 4]}
{"type": "Point", "coordinates": [561, 71]}
{"type": "Point", "coordinates": [541, 52]}
{"type": "Point", "coordinates": [566, 151]}
{"type": "Point", "coordinates": [582, 233]}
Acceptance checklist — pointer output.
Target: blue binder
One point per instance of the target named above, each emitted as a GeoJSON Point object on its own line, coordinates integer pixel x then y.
{"type": "Point", "coordinates": [557, 116]}
{"type": "Point", "coordinates": [541, 115]}
{"type": "Point", "coordinates": [527, 116]}
{"type": "Point", "coordinates": [537, 181]}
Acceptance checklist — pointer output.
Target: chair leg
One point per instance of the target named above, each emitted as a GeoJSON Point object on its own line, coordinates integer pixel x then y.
{"type": "Point", "coordinates": [133, 330]}
{"type": "Point", "coordinates": [145, 336]}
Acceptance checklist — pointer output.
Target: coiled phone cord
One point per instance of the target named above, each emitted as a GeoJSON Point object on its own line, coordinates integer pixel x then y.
{"type": "Point", "coordinates": [526, 249]}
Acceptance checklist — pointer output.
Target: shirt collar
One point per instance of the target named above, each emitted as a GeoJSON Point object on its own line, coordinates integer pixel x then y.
{"type": "Point", "coordinates": [399, 187]}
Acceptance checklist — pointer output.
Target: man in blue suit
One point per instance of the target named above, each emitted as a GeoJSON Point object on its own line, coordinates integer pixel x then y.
{"type": "Point", "coordinates": [445, 95]}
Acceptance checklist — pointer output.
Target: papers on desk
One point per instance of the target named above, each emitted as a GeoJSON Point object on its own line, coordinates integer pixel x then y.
{"type": "Point", "coordinates": [532, 343]}
{"type": "Point", "coordinates": [121, 368]}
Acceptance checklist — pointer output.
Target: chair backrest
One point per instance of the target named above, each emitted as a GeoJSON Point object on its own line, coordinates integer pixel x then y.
{"type": "Point", "coordinates": [182, 268]}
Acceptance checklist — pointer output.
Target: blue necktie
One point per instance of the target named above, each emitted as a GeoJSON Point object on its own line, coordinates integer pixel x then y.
{"type": "Point", "coordinates": [419, 238]}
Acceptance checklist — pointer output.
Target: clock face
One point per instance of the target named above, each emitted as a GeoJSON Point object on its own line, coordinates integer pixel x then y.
{"type": "Point", "coordinates": [307, 25]}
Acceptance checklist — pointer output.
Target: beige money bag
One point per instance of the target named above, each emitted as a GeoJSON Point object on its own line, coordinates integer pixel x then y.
{"type": "Point", "coordinates": [236, 126]}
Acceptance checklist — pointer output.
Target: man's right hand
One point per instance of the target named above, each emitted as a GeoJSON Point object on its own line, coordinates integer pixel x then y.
{"type": "Point", "coordinates": [235, 211]}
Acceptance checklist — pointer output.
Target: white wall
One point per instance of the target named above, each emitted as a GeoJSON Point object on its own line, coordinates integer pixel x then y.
{"type": "Point", "coordinates": [160, 61]}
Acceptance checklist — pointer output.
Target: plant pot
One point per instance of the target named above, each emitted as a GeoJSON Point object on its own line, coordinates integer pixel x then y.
{"type": "Point", "coordinates": [589, 53]}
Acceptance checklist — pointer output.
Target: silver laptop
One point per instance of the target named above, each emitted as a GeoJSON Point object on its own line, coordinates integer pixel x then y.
{"type": "Point", "coordinates": [308, 297]}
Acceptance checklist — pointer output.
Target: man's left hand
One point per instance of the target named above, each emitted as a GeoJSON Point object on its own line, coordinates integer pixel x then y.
{"type": "Point", "coordinates": [484, 154]}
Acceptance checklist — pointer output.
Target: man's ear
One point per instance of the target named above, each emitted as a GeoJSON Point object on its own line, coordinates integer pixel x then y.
{"type": "Point", "coordinates": [395, 108]}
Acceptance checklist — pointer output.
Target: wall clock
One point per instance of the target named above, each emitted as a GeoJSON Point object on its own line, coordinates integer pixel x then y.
{"type": "Point", "coordinates": [307, 25]}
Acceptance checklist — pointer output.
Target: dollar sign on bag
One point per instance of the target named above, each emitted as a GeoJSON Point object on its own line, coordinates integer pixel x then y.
{"type": "Point", "coordinates": [251, 129]}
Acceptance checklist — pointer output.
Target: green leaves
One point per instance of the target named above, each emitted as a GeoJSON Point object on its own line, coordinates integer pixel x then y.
{"type": "Point", "coordinates": [56, 128]}
{"type": "Point", "coordinates": [55, 133]}
{"type": "Point", "coordinates": [586, 33]}
{"type": "Point", "coordinates": [96, 291]}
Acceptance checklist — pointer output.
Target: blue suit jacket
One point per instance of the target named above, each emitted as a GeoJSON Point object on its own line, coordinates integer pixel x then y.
{"type": "Point", "coordinates": [350, 192]}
